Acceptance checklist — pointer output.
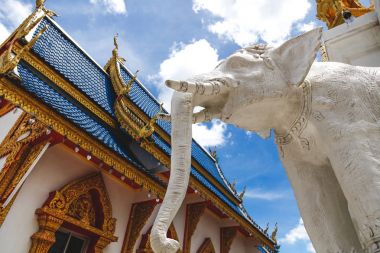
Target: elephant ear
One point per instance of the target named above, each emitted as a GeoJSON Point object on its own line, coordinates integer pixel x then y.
{"type": "Point", "coordinates": [295, 57]}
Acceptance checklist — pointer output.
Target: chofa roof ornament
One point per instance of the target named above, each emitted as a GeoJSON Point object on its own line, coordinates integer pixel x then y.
{"type": "Point", "coordinates": [132, 123]}
{"type": "Point", "coordinates": [12, 49]}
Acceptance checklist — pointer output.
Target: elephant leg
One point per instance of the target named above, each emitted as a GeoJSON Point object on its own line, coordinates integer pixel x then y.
{"type": "Point", "coordinates": [323, 208]}
{"type": "Point", "coordinates": [356, 162]}
{"type": "Point", "coordinates": [182, 111]}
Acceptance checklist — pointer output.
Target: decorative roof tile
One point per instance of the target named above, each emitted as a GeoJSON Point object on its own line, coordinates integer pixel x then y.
{"type": "Point", "coordinates": [59, 51]}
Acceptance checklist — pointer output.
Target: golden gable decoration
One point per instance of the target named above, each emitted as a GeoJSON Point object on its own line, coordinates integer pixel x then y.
{"type": "Point", "coordinates": [83, 204]}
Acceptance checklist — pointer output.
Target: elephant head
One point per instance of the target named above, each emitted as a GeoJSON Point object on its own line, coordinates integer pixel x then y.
{"type": "Point", "coordinates": [256, 88]}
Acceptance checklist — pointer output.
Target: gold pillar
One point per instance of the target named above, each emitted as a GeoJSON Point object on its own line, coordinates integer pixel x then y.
{"type": "Point", "coordinates": [140, 213]}
{"type": "Point", "coordinates": [194, 213]}
{"type": "Point", "coordinates": [227, 236]}
{"type": "Point", "coordinates": [44, 238]}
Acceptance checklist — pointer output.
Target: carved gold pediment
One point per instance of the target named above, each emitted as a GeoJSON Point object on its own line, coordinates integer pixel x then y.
{"type": "Point", "coordinates": [84, 204]}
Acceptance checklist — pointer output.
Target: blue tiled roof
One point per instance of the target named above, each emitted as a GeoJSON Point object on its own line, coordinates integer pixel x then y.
{"type": "Point", "coordinates": [39, 88]}
{"type": "Point", "coordinates": [58, 50]}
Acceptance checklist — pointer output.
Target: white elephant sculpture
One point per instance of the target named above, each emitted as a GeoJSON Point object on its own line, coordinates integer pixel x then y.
{"type": "Point", "coordinates": [325, 118]}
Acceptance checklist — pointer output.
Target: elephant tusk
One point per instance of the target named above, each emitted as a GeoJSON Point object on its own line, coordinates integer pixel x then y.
{"type": "Point", "coordinates": [213, 87]}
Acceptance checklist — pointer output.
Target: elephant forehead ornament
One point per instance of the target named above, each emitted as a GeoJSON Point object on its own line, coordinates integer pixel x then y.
{"type": "Point", "coordinates": [325, 117]}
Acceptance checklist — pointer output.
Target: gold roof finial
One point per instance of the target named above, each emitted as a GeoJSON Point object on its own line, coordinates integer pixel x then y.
{"type": "Point", "coordinates": [274, 233]}
{"type": "Point", "coordinates": [115, 41]}
{"type": "Point", "coordinates": [241, 195]}
{"type": "Point", "coordinates": [266, 228]}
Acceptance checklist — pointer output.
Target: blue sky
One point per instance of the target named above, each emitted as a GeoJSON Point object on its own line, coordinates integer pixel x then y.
{"type": "Point", "coordinates": [176, 39]}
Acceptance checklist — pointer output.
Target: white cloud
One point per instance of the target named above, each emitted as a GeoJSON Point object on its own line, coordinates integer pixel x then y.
{"type": "Point", "coordinates": [13, 12]}
{"type": "Point", "coordinates": [245, 21]}
{"type": "Point", "coordinates": [4, 33]}
{"type": "Point", "coordinates": [298, 234]}
{"type": "Point", "coordinates": [305, 27]}
{"type": "Point", "coordinates": [263, 195]}
{"type": "Point", "coordinates": [210, 136]}
{"type": "Point", "coordinates": [112, 6]}
{"type": "Point", "coordinates": [184, 61]}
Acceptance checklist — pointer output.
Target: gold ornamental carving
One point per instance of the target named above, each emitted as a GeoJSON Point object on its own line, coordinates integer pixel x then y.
{"type": "Point", "coordinates": [83, 203]}
{"type": "Point", "coordinates": [206, 247]}
{"type": "Point", "coordinates": [8, 58]}
{"type": "Point", "coordinates": [331, 11]}
{"type": "Point", "coordinates": [21, 150]}
{"type": "Point", "coordinates": [194, 213]}
{"type": "Point", "coordinates": [140, 213]}
{"type": "Point", "coordinates": [45, 237]}
{"type": "Point", "coordinates": [227, 235]}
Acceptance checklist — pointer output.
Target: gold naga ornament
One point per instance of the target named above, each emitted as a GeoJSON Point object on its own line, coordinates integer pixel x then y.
{"type": "Point", "coordinates": [331, 11]}
{"type": "Point", "coordinates": [126, 117]}
{"type": "Point", "coordinates": [8, 58]}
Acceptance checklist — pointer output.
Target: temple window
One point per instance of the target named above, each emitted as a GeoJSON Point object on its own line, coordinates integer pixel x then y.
{"type": "Point", "coordinates": [69, 242]}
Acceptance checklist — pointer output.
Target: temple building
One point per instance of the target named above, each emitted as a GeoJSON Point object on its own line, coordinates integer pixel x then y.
{"type": "Point", "coordinates": [84, 161]}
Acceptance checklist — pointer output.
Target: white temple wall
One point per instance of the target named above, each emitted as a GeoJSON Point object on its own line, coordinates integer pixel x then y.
{"type": "Point", "coordinates": [208, 226]}
{"type": "Point", "coordinates": [121, 201]}
{"type": "Point", "coordinates": [55, 169]}
{"type": "Point", "coordinates": [238, 244]}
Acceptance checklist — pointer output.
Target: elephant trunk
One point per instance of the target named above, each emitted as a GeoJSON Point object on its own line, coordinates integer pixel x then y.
{"type": "Point", "coordinates": [182, 110]}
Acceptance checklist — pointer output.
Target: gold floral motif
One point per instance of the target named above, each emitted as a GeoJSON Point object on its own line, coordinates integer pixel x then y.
{"type": "Point", "coordinates": [75, 204]}
{"type": "Point", "coordinates": [227, 235]}
{"type": "Point", "coordinates": [140, 213]}
{"type": "Point", "coordinates": [83, 210]}
{"type": "Point", "coordinates": [206, 247]}
{"type": "Point", "coordinates": [194, 213]}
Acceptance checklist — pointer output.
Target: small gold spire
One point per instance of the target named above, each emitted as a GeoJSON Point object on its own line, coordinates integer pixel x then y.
{"type": "Point", "coordinates": [233, 185]}
{"type": "Point", "coordinates": [116, 44]}
{"type": "Point", "coordinates": [266, 228]}
{"type": "Point", "coordinates": [274, 233]}
{"type": "Point", "coordinates": [241, 196]}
